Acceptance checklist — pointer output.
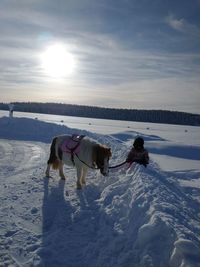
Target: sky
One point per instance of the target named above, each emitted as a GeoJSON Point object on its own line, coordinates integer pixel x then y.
{"type": "Point", "coordinates": [123, 54]}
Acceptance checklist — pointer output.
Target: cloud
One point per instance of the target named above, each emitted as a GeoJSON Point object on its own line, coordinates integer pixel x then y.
{"type": "Point", "coordinates": [182, 25]}
{"type": "Point", "coordinates": [117, 64]}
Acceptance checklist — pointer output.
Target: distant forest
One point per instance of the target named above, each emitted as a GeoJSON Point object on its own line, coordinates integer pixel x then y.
{"type": "Point", "coordinates": [156, 116]}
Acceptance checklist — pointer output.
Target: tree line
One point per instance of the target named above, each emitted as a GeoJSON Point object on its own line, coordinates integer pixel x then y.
{"type": "Point", "coordinates": [155, 116]}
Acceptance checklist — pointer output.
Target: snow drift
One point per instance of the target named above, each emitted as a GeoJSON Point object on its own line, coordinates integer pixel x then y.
{"type": "Point", "coordinates": [138, 217]}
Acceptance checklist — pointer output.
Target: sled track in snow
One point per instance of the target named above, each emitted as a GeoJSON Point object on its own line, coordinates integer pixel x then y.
{"type": "Point", "coordinates": [21, 165]}
{"type": "Point", "coordinates": [19, 156]}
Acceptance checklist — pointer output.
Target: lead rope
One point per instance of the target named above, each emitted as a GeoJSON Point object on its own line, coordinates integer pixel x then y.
{"type": "Point", "coordinates": [91, 167]}
{"type": "Point", "coordinates": [96, 168]}
{"type": "Point", "coordinates": [119, 165]}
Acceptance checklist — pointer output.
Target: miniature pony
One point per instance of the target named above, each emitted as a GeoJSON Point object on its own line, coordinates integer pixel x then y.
{"type": "Point", "coordinates": [81, 152]}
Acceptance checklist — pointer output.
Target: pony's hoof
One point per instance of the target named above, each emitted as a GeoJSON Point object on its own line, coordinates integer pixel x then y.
{"type": "Point", "coordinates": [63, 178]}
{"type": "Point", "coordinates": [79, 187]}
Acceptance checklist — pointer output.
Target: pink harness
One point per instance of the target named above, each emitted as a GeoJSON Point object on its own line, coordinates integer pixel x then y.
{"type": "Point", "coordinates": [71, 145]}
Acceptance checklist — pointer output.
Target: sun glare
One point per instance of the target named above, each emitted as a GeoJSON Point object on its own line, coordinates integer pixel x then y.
{"type": "Point", "coordinates": [57, 62]}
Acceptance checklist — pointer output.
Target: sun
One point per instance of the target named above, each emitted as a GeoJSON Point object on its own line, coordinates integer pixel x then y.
{"type": "Point", "coordinates": [57, 62]}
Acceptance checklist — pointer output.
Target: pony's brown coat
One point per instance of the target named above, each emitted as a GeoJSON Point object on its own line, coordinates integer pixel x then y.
{"type": "Point", "coordinates": [99, 153]}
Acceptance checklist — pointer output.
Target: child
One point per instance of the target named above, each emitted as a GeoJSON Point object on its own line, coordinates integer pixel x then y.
{"type": "Point", "coordinates": [138, 153]}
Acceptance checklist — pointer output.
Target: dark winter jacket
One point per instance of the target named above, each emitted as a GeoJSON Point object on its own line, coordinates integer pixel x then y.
{"type": "Point", "coordinates": [140, 156]}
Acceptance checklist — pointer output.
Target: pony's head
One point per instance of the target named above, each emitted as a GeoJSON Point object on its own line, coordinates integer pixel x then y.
{"type": "Point", "coordinates": [102, 155]}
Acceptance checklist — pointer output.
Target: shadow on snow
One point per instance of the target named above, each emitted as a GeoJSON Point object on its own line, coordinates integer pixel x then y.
{"type": "Point", "coordinates": [67, 228]}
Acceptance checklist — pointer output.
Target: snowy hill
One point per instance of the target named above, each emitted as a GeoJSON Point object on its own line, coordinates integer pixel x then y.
{"type": "Point", "coordinates": [136, 217]}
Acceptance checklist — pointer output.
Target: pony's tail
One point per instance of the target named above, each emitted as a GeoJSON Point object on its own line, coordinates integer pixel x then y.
{"type": "Point", "coordinates": [55, 164]}
{"type": "Point", "coordinates": [53, 160]}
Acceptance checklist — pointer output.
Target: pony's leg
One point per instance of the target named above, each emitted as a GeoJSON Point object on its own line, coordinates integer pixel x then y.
{"type": "Point", "coordinates": [79, 177]}
{"type": "Point", "coordinates": [48, 170]}
{"type": "Point", "coordinates": [85, 170]}
{"type": "Point", "coordinates": [61, 173]}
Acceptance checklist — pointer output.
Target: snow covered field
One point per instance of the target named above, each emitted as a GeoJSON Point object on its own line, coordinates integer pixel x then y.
{"type": "Point", "coordinates": [137, 217]}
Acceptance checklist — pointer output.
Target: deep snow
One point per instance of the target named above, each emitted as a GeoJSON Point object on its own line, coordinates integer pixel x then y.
{"type": "Point", "coordinates": [135, 217]}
